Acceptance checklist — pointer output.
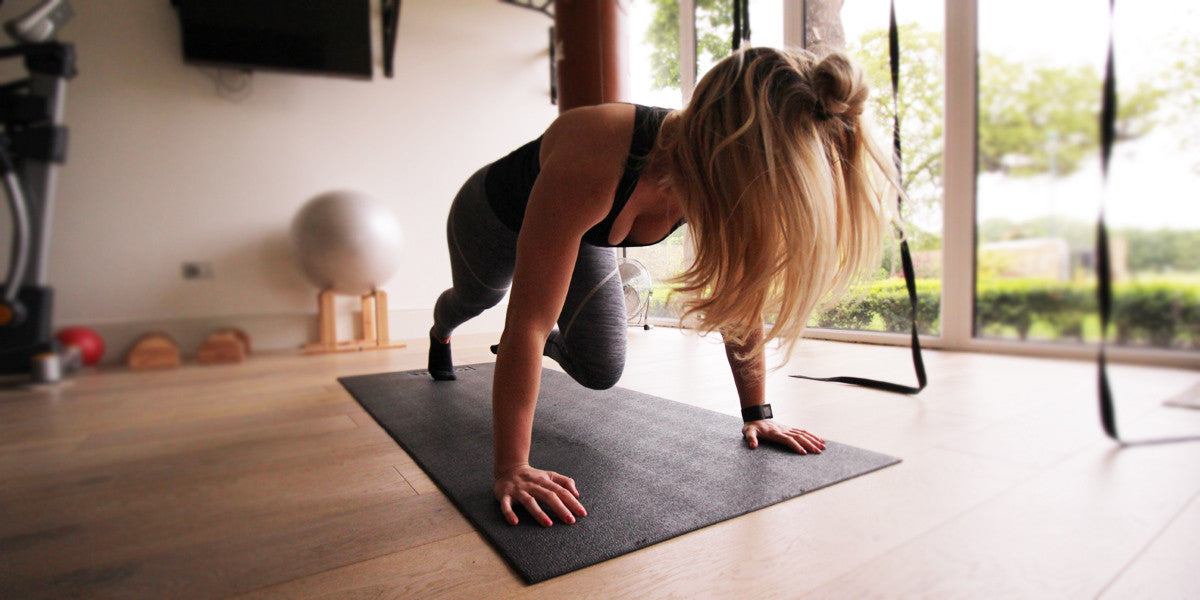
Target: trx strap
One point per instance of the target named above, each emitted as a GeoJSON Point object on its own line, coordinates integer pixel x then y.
{"type": "Point", "coordinates": [905, 255]}
{"type": "Point", "coordinates": [741, 24]}
{"type": "Point", "coordinates": [1108, 119]}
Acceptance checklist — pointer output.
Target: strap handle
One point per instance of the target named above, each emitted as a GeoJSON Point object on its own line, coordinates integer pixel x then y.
{"type": "Point", "coordinates": [1108, 128]}
{"type": "Point", "coordinates": [905, 256]}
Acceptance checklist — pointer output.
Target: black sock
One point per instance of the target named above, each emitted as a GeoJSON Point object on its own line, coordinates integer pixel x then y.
{"type": "Point", "coordinates": [441, 366]}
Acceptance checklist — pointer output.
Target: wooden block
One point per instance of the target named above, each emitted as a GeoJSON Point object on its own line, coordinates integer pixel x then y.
{"type": "Point", "coordinates": [241, 335]}
{"type": "Point", "coordinates": [221, 347]}
{"type": "Point", "coordinates": [153, 351]}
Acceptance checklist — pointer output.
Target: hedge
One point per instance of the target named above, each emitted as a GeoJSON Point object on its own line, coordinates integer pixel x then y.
{"type": "Point", "coordinates": [1162, 313]}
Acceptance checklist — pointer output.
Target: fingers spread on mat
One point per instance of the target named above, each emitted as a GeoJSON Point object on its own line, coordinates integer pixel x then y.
{"type": "Point", "coordinates": [798, 440]}
{"type": "Point", "coordinates": [536, 489]}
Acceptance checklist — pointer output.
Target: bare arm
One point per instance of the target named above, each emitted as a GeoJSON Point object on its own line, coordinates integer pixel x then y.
{"type": "Point", "coordinates": [545, 259]}
{"type": "Point", "coordinates": [749, 376]}
{"type": "Point", "coordinates": [573, 192]}
{"type": "Point", "coordinates": [546, 253]}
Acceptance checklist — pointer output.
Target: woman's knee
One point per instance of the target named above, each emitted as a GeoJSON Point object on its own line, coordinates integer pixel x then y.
{"type": "Point", "coordinates": [603, 375]}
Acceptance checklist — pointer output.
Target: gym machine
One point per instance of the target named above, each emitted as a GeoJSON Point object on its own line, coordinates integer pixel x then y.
{"type": "Point", "coordinates": [33, 143]}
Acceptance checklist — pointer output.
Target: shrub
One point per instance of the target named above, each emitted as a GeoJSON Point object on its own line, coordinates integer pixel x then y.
{"type": "Point", "coordinates": [853, 312]}
{"type": "Point", "coordinates": [1153, 312]}
{"type": "Point", "coordinates": [1064, 307]}
{"type": "Point", "coordinates": [894, 307]}
{"type": "Point", "coordinates": [1161, 312]}
{"type": "Point", "coordinates": [1009, 303]}
{"type": "Point", "coordinates": [887, 300]}
{"type": "Point", "coordinates": [1190, 316]}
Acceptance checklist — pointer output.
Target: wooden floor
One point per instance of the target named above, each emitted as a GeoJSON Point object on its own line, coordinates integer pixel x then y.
{"type": "Point", "coordinates": [266, 480]}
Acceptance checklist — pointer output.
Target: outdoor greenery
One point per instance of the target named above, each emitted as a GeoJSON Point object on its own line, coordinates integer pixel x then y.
{"type": "Point", "coordinates": [1041, 118]}
{"type": "Point", "coordinates": [1160, 313]}
{"type": "Point", "coordinates": [1036, 119]}
{"type": "Point", "coordinates": [714, 27]}
{"type": "Point", "coordinates": [1159, 251]}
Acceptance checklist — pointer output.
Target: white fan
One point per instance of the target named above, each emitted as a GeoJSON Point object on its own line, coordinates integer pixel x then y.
{"type": "Point", "coordinates": [637, 286]}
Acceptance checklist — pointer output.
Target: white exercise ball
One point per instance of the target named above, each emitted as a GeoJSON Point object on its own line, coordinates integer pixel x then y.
{"type": "Point", "coordinates": [347, 241]}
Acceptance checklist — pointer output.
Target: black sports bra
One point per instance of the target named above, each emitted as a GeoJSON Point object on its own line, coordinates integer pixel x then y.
{"type": "Point", "coordinates": [510, 180]}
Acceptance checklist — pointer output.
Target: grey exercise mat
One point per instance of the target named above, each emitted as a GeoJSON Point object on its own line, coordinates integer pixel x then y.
{"type": "Point", "coordinates": [648, 469]}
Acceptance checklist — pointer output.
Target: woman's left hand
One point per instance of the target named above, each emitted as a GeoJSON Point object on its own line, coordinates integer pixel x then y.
{"type": "Point", "coordinates": [797, 439]}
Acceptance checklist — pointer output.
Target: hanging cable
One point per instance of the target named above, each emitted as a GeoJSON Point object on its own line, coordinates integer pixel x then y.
{"type": "Point", "coordinates": [1108, 129]}
{"type": "Point", "coordinates": [741, 24]}
{"type": "Point", "coordinates": [905, 255]}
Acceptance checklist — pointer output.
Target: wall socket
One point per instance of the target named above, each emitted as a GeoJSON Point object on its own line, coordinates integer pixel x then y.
{"type": "Point", "coordinates": [198, 270]}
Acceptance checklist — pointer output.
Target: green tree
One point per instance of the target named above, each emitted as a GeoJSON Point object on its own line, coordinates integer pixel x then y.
{"type": "Point", "coordinates": [1182, 99]}
{"type": "Point", "coordinates": [714, 32]}
{"type": "Point", "coordinates": [1077, 234]}
{"type": "Point", "coordinates": [1034, 119]}
{"type": "Point", "coordinates": [922, 87]}
{"type": "Point", "coordinates": [1037, 119]}
{"type": "Point", "coordinates": [1162, 251]}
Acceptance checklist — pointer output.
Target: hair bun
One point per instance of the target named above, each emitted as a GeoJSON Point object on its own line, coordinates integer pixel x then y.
{"type": "Point", "coordinates": [840, 87]}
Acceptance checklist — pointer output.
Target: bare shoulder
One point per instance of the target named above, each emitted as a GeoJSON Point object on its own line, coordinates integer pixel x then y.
{"type": "Point", "coordinates": [597, 132]}
{"type": "Point", "coordinates": [582, 157]}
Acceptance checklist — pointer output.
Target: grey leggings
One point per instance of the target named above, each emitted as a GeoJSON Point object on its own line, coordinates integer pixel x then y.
{"type": "Point", "coordinates": [589, 341]}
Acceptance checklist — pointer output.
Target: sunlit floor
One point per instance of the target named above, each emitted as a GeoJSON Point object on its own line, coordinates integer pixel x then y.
{"type": "Point", "coordinates": [266, 480]}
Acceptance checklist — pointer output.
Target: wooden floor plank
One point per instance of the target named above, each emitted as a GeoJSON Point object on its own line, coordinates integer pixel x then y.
{"type": "Point", "coordinates": [1168, 564]}
{"type": "Point", "coordinates": [1062, 534]}
{"type": "Point", "coordinates": [462, 566]}
{"type": "Point", "coordinates": [241, 555]}
{"type": "Point", "coordinates": [266, 479]}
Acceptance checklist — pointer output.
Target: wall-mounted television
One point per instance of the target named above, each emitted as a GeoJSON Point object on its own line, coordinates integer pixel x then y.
{"type": "Point", "coordinates": [328, 37]}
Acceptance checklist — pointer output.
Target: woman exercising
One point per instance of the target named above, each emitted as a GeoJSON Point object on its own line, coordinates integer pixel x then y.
{"type": "Point", "coordinates": [770, 165]}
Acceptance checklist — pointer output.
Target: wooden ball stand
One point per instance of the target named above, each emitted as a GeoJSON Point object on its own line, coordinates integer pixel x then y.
{"type": "Point", "coordinates": [374, 325]}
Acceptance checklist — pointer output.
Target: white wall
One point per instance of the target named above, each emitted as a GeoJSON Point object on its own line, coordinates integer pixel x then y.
{"type": "Point", "coordinates": [162, 169]}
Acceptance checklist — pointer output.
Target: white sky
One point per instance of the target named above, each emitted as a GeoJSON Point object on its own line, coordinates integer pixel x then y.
{"type": "Point", "coordinates": [1150, 174]}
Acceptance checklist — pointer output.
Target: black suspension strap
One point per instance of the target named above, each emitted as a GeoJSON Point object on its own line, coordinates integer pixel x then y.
{"type": "Point", "coordinates": [741, 24]}
{"type": "Point", "coordinates": [905, 255]}
{"type": "Point", "coordinates": [1108, 128]}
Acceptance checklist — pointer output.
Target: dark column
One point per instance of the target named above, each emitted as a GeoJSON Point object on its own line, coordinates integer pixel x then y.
{"type": "Point", "coordinates": [591, 58]}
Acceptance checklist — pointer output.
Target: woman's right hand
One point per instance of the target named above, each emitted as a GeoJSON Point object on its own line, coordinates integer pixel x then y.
{"type": "Point", "coordinates": [535, 488]}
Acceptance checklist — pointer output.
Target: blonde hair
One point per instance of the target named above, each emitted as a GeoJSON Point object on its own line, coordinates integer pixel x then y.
{"type": "Point", "coordinates": [784, 188]}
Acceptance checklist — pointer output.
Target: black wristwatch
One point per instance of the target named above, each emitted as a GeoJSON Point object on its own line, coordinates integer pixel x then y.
{"type": "Point", "coordinates": [757, 412]}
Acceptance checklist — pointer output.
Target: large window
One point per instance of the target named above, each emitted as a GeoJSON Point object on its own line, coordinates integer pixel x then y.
{"type": "Point", "coordinates": [655, 65]}
{"type": "Point", "coordinates": [1152, 203]}
{"type": "Point", "coordinates": [1001, 162]}
{"type": "Point", "coordinates": [882, 303]}
{"type": "Point", "coordinates": [659, 77]}
{"type": "Point", "coordinates": [1039, 183]}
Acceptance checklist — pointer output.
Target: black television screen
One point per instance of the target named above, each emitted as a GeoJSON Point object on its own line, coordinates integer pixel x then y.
{"type": "Point", "coordinates": [330, 37]}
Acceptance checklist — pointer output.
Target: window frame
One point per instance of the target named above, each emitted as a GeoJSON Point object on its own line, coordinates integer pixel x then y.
{"type": "Point", "coordinates": [958, 218]}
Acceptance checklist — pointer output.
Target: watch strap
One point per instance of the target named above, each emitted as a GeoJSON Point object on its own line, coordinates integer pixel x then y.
{"type": "Point", "coordinates": [757, 412]}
